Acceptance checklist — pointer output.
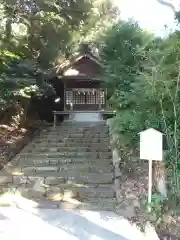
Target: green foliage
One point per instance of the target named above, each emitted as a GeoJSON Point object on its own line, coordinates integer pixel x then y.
{"type": "Point", "coordinates": [35, 36]}
{"type": "Point", "coordinates": [158, 207]}
{"type": "Point", "coordinates": [138, 71]}
{"type": "Point", "coordinates": [48, 27]}
{"type": "Point", "coordinates": [20, 78]}
{"type": "Point", "coordinates": [123, 53]}
{"type": "Point", "coordinates": [143, 76]}
{"type": "Point", "coordinates": [49, 31]}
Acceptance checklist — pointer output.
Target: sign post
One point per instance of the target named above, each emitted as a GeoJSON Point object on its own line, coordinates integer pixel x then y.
{"type": "Point", "coordinates": [151, 148]}
{"type": "Point", "coordinates": [150, 185]}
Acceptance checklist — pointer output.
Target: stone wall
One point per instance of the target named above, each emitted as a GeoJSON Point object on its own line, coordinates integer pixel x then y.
{"type": "Point", "coordinates": [16, 147]}
{"type": "Point", "coordinates": [115, 158]}
{"type": "Point", "coordinates": [159, 176]}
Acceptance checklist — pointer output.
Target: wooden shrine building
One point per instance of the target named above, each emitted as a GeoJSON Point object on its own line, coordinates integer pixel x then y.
{"type": "Point", "coordinates": [82, 83]}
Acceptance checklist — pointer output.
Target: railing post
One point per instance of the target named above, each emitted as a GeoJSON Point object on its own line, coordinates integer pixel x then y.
{"type": "Point", "coordinates": [99, 101]}
{"type": "Point", "coordinates": [55, 119]}
{"type": "Point", "coordinates": [71, 106]}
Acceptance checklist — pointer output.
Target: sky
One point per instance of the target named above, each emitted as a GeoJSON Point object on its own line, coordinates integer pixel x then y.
{"type": "Point", "coordinates": [150, 14]}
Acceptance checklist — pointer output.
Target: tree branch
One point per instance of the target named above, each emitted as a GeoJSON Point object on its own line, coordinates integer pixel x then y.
{"type": "Point", "coordinates": [168, 4]}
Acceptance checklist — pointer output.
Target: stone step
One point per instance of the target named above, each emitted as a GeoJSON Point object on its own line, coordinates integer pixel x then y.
{"type": "Point", "coordinates": [67, 139]}
{"type": "Point", "coordinates": [65, 131]}
{"type": "Point", "coordinates": [80, 127]}
{"type": "Point", "coordinates": [82, 142]}
{"type": "Point", "coordinates": [70, 142]}
{"type": "Point", "coordinates": [97, 128]}
{"type": "Point", "coordinates": [88, 139]}
{"type": "Point", "coordinates": [68, 168]}
{"type": "Point", "coordinates": [82, 124]}
{"type": "Point", "coordinates": [82, 149]}
{"type": "Point", "coordinates": [75, 133]}
{"type": "Point", "coordinates": [82, 168]}
{"type": "Point", "coordinates": [24, 161]}
{"type": "Point", "coordinates": [54, 178]}
{"type": "Point", "coordinates": [93, 204]}
{"type": "Point", "coordinates": [61, 192]}
{"type": "Point", "coordinates": [94, 155]}
{"type": "Point", "coordinates": [63, 138]}
{"type": "Point", "coordinates": [66, 149]}
{"type": "Point", "coordinates": [59, 145]}
{"type": "Point", "coordinates": [91, 139]}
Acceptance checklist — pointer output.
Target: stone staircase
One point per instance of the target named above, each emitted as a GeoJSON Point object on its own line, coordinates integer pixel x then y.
{"type": "Point", "coordinates": [69, 166]}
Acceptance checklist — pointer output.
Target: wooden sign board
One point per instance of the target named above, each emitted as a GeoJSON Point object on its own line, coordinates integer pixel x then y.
{"type": "Point", "coordinates": [151, 145]}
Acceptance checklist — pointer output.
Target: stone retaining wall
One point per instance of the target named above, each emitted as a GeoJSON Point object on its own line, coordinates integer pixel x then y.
{"type": "Point", "coordinates": [159, 178]}
{"type": "Point", "coordinates": [16, 147]}
{"type": "Point", "coordinates": [115, 158]}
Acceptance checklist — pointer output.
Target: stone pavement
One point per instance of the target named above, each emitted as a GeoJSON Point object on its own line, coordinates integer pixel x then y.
{"type": "Point", "coordinates": [20, 224]}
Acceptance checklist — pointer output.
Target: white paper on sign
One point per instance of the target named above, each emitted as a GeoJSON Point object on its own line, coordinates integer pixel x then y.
{"type": "Point", "coordinates": [151, 145]}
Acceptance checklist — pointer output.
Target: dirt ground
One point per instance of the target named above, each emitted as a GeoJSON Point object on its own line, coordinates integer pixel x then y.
{"type": "Point", "coordinates": [134, 190]}
{"type": "Point", "coordinates": [9, 137]}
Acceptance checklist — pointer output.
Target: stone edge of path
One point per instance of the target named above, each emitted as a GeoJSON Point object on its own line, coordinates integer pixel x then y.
{"type": "Point", "coordinates": [115, 158]}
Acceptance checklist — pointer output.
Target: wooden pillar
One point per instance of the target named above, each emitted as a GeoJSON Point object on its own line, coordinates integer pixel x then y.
{"type": "Point", "coordinates": [105, 98]}
{"type": "Point", "coordinates": [99, 99]}
{"type": "Point", "coordinates": [64, 97]}
{"type": "Point", "coordinates": [55, 119]}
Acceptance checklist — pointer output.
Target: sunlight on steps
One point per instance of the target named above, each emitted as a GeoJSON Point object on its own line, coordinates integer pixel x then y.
{"type": "Point", "coordinates": [16, 199]}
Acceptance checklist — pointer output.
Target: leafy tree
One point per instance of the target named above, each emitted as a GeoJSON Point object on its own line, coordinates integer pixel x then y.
{"type": "Point", "coordinates": [37, 35]}
{"type": "Point", "coordinates": [143, 75]}
{"type": "Point", "coordinates": [123, 53]}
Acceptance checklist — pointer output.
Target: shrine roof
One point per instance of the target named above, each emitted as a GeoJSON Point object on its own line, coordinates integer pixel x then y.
{"type": "Point", "coordinates": [69, 63]}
